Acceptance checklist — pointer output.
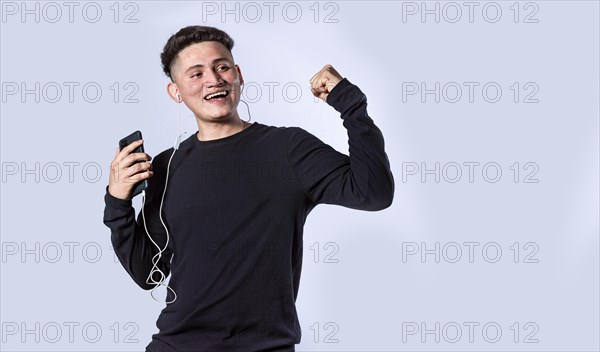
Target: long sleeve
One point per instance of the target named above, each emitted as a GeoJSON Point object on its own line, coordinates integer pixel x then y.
{"type": "Point", "coordinates": [129, 238]}
{"type": "Point", "coordinates": [363, 180]}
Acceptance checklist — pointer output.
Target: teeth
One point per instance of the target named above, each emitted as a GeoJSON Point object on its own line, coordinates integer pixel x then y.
{"type": "Point", "coordinates": [210, 96]}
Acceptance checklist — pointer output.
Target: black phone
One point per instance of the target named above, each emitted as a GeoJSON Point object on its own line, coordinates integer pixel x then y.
{"type": "Point", "coordinates": [137, 135]}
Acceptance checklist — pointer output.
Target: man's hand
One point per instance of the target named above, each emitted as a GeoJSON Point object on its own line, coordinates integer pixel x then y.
{"type": "Point", "coordinates": [126, 170]}
{"type": "Point", "coordinates": [323, 81]}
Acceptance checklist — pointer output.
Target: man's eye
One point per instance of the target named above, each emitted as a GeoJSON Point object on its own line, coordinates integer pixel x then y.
{"type": "Point", "coordinates": [197, 74]}
{"type": "Point", "coordinates": [223, 68]}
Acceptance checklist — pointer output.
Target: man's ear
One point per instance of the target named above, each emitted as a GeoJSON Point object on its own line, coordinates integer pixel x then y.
{"type": "Point", "coordinates": [240, 74]}
{"type": "Point", "coordinates": [173, 92]}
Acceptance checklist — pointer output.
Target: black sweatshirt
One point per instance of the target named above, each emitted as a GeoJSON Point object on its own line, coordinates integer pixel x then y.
{"type": "Point", "coordinates": [235, 208]}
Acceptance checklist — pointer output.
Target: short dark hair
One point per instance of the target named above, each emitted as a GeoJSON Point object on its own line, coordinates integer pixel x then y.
{"type": "Point", "coordinates": [188, 36]}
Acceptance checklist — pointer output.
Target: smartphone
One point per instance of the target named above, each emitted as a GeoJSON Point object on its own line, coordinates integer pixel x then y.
{"type": "Point", "coordinates": [137, 135]}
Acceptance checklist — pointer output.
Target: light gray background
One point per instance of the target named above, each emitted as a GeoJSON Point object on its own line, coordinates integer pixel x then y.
{"type": "Point", "coordinates": [377, 289]}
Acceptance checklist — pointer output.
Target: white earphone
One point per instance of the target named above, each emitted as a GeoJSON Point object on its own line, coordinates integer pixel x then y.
{"type": "Point", "coordinates": [156, 258]}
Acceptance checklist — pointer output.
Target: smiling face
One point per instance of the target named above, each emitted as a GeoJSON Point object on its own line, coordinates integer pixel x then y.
{"type": "Point", "coordinates": [208, 81]}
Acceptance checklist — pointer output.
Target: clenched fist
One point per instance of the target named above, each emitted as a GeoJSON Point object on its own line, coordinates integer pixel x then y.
{"type": "Point", "coordinates": [323, 81]}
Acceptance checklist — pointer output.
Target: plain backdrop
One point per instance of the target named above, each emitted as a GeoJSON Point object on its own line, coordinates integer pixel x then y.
{"type": "Point", "coordinates": [490, 115]}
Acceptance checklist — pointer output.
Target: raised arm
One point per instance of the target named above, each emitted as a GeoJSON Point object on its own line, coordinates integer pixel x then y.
{"type": "Point", "coordinates": [363, 180]}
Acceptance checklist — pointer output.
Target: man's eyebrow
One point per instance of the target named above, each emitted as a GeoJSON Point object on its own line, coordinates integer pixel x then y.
{"type": "Point", "coordinates": [200, 65]}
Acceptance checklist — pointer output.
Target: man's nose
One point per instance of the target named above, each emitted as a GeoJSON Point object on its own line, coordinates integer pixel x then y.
{"type": "Point", "coordinates": [213, 78]}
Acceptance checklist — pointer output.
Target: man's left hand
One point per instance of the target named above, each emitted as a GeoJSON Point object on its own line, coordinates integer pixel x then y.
{"type": "Point", "coordinates": [323, 81]}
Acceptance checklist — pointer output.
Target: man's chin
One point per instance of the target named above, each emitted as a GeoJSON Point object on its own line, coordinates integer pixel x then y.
{"type": "Point", "coordinates": [216, 113]}
{"type": "Point", "coordinates": [219, 118]}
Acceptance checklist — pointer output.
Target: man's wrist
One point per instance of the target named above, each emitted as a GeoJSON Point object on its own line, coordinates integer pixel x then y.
{"type": "Point", "coordinates": [332, 96]}
{"type": "Point", "coordinates": [115, 202]}
{"type": "Point", "coordinates": [344, 94]}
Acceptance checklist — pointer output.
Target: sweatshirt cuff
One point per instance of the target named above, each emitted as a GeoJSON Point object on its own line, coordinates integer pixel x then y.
{"type": "Point", "coordinates": [117, 203]}
{"type": "Point", "coordinates": [344, 95]}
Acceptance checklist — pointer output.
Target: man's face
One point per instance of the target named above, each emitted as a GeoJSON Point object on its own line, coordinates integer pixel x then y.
{"type": "Point", "coordinates": [205, 68]}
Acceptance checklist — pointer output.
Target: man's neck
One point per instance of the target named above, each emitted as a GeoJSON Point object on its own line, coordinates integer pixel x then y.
{"type": "Point", "coordinates": [216, 130]}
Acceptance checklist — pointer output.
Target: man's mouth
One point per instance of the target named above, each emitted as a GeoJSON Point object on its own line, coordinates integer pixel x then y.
{"type": "Point", "coordinates": [217, 95]}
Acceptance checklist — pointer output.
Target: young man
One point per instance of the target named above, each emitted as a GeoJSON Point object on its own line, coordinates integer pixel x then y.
{"type": "Point", "coordinates": [237, 198]}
